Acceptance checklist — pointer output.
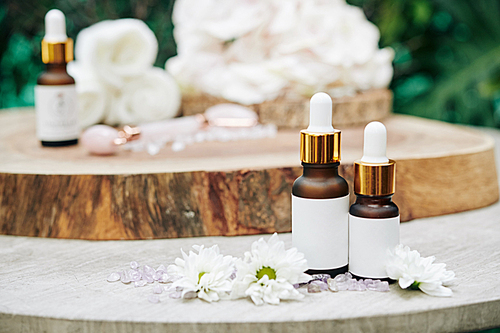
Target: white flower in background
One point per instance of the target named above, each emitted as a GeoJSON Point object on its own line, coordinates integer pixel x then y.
{"type": "Point", "coordinates": [117, 49]}
{"type": "Point", "coordinates": [115, 78]}
{"type": "Point", "coordinates": [411, 270]}
{"type": "Point", "coordinates": [228, 48]}
{"type": "Point", "coordinates": [376, 73]}
{"type": "Point", "coordinates": [268, 272]}
{"type": "Point", "coordinates": [151, 96]}
{"type": "Point", "coordinates": [221, 19]}
{"type": "Point", "coordinates": [93, 97]}
{"type": "Point", "coordinates": [206, 273]}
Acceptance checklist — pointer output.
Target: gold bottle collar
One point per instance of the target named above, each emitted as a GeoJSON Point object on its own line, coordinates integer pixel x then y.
{"type": "Point", "coordinates": [375, 179]}
{"type": "Point", "coordinates": [57, 53]}
{"type": "Point", "coordinates": [319, 148]}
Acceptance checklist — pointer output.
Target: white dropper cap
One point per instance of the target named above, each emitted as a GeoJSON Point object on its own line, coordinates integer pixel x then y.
{"type": "Point", "coordinates": [320, 113]}
{"type": "Point", "coordinates": [55, 26]}
{"type": "Point", "coordinates": [374, 150]}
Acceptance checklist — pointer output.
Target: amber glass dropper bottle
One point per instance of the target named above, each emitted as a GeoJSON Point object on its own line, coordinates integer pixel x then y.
{"type": "Point", "coordinates": [373, 218]}
{"type": "Point", "coordinates": [320, 197]}
{"type": "Point", "coordinates": [55, 93]}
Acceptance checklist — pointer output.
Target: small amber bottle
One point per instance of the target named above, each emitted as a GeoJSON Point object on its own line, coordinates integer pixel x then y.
{"type": "Point", "coordinates": [55, 93]}
{"type": "Point", "coordinates": [373, 218]}
{"type": "Point", "coordinates": [320, 197]}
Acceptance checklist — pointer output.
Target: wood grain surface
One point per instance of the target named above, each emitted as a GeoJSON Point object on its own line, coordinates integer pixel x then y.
{"type": "Point", "coordinates": [59, 285]}
{"type": "Point", "coordinates": [214, 188]}
{"type": "Point", "coordinates": [292, 111]}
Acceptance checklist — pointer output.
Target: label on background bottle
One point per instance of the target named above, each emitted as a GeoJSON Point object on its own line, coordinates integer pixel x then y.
{"type": "Point", "coordinates": [320, 231]}
{"type": "Point", "coordinates": [369, 240]}
{"type": "Point", "coordinates": [56, 113]}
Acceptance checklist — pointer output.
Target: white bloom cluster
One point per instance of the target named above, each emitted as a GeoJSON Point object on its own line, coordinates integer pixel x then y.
{"type": "Point", "coordinates": [250, 51]}
{"type": "Point", "coordinates": [115, 78]}
{"type": "Point", "coordinates": [266, 274]}
{"type": "Point", "coordinates": [411, 270]}
{"type": "Point", "coordinates": [206, 273]}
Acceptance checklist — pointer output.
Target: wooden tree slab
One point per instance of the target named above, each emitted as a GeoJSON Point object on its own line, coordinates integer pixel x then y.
{"type": "Point", "coordinates": [216, 188]}
{"type": "Point", "coordinates": [292, 111]}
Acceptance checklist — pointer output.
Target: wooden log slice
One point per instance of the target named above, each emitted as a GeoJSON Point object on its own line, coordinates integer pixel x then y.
{"type": "Point", "coordinates": [292, 111]}
{"type": "Point", "coordinates": [215, 188]}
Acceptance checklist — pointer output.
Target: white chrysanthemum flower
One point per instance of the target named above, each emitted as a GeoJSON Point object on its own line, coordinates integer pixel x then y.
{"type": "Point", "coordinates": [206, 273]}
{"type": "Point", "coordinates": [411, 270]}
{"type": "Point", "coordinates": [268, 272]}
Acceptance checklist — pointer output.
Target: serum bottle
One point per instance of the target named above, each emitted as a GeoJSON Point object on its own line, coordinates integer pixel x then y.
{"type": "Point", "coordinates": [320, 197]}
{"type": "Point", "coordinates": [373, 218]}
{"type": "Point", "coordinates": [55, 94]}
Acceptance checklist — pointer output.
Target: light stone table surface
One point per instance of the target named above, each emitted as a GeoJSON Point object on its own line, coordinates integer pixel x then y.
{"type": "Point", "coordinates": [55, 285]}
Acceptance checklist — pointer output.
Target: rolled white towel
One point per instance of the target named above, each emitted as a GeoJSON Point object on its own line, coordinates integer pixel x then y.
{"type": "Point", "coordinates": [117, 50]}
{"type": "Point", "coordinates": [149, 97]}
{"type": "Point", "coordinates": [93, 97]}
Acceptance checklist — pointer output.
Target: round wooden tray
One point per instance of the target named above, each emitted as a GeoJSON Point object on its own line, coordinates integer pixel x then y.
{"type": "Point", "coordinates": [293, 111]}
{"type": "Point", "coordinates": [216, 188]}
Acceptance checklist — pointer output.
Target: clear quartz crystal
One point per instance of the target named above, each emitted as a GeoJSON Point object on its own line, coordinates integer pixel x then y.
{"type": "Point", "coordinates": [313, 288]}
{"type": "Point", "coordinates": [134, 265]}
{"type": "Point", "coordinates": [157, 289]}
{"type": "Point", "coordinates": [124, 277]}
{"type": "Point", "coordinates": [322, 284]}
{"type": "Point", "coordinates": [321, 277]}
{"type": "Point", "coordinates": [135, 275]}
{"type": "Point", "coordinates": [140, 283]}
{"type": "Point", "coordinates": [113, 277]}
{"type": "Point", "coordinates": [153, 148]}
{"type": "Point", "coordinates": [332, 285]}
{"type": "Point", "coordinates": [162, 277]}
{"type": "Point", "coordinates": [148, 278]}
{"type": "Point", "coordinates": [178, 146]}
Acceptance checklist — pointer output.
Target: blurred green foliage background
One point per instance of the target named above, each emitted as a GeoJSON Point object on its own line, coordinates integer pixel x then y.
{"type": "Point", "coordinates": [447, 63]}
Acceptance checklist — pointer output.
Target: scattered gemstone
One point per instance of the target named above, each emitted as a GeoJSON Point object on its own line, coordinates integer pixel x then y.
{"type": "Point", "coordinates": [340, 278]}
{"type": "Point", "coordinates": [134, 264]}
{"type": "Point", "coordinates": [113, 277]}
{"type": "Point", "coordinates": [161, 268]}
{"type": "Point", "coordinates": [322, 285]}
{"type": "Point", "coordinates": [321, 277]}
{"type": "Point", "coordinates": [178, 146]}
{"type": "Point", "coordinates": [313, 288]}
{"type": "Point", "coordinates": [332, 285]}
{"type": "Point", "coordinates": [148, 278]}
{"type": "Point", "coordinates": [140, 283]}
{"type": "Point", "coordinates": [157, 289]}
{"type": "Point", "coordinates": [384, 286]}
{"type": "Point", "coordinates": [153, 148]}
{"type": "Point", "coordinates": [154, 299]}
{"type": "Point", "coordinates": [342, 286]}
{"type": "Point", "coordinates": [148, 270]}
{"type": "Point", "coordinates": [162, 277]}
{"type": "Point", "coordinates": [124, 277]}
{"type": "Point", "coordinates": [135, 275]}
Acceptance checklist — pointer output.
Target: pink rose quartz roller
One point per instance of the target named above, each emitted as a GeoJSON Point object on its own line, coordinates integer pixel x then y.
{"type": "Point", "coordinates": [105, 140]}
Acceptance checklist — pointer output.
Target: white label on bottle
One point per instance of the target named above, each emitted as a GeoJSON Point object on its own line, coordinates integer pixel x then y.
{"type": "Point", "coordinates": [320, 231]}
{"type": "Point", "coordinates": [369, 241]}
{"type": "Point", "coordinates": [56, 113]}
